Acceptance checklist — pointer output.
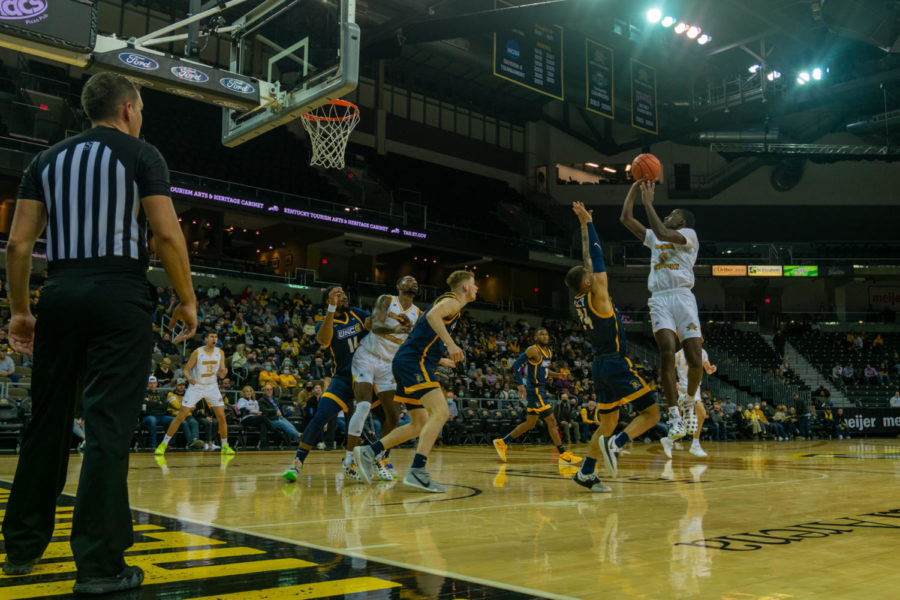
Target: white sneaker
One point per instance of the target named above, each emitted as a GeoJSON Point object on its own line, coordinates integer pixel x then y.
{"type": "Point", "coordinates": [205, 446]}
{"type": "Point", "coordinates": [214, 447]}
{"type": "Point", "coordinates": [667, 446]}
{"type": "Point", "coordinates": [696, 450]}
{"type": "Point", "coordinates": [320, 446]}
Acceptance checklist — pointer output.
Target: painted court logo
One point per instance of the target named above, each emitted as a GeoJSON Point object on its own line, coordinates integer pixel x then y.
{"type": "Point", "coordinates": [138, 61]}
{"type": "Point", "coordinates": [190, 74]}
{"type": "Point", "coordinates": [17, 10]}
{"type": "Point", "coordinates": [236, 85]}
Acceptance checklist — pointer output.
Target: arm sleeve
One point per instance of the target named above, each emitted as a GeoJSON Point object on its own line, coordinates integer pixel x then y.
{"type": "Point", "coordinates": [595, 250]}
{"type": "Point", "coordinates": [152, 173]}
{"type": "Point", "coordinates": [30, 186]}
{"type": "Point", "coordinates": [649, 238]}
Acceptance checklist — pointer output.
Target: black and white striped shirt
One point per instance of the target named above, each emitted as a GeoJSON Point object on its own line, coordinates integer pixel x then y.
{"type": "Point", "coordinates": [91, 186]}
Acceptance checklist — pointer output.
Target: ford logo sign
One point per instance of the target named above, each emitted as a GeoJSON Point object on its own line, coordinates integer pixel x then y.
{"type": "Point", "coordinates": [190, 74]}
{"type": "Point", "coordinates": [14, 10]}
{"type": "Point", "coordinates": [236, 85]}
{"type": "Point", "coordinates": [138, 61]}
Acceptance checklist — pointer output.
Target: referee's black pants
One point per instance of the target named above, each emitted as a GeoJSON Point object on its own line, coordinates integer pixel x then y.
{"type": "Point", "coordinates": [93, 338]}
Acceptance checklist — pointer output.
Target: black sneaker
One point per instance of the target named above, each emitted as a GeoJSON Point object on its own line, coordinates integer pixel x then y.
{"type": "Point", "coordinates": [591, 482]}
{"type": "Point", "coordinates": [11, 568]}
{"type": "Point", "coordinates": [129, 578]}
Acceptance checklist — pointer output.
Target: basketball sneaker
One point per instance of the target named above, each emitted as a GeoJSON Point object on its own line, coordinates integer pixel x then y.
{"type": "Point", "coordinates": [420, 479]}
{"type": "Point", "coordinates": [161, 449]}
{"type": "Point", "coordinates": [292, 473]}
{"type": "Point", "coordinates": [667, 446]}
{"type": "Point", "coordinates": [365, 462]}
{"type": "Point", "coordinates": [350, 472]}
{"type": "Point", "coordinates": [501, 448]}
{"type": "Point", "coordinates": [226, 449]}
{"type": "Point", "coordinates": [385, 471]}
{"type": "Point", "coordinates": [696, 450]}
{"type": "Point", "coordinates": [591, 482]}
{"type": "Point", "coordinates": [610, 455]}
{"type": "Point", "coordinates": [676, 429]}
{"type": "Point", "coordinates": [683, 404]}
{"type": "Point", "coordinates": [568, 458]}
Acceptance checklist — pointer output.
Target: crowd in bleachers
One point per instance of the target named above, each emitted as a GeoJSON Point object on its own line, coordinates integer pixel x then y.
{"type": "Point", "coordinates": [276, 374]}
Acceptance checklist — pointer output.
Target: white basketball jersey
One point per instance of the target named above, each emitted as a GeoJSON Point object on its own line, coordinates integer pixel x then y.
{"type": "Point", "coordinates": [206, 367]}
{"type": "Point", "coordinates": [672, 265]}
{"type": "Point", "coordinates": [681, 368]}
{"type": "Point", "coordinates": [385, 345]}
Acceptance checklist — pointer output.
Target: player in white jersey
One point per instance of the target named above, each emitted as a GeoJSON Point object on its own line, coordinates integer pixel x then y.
{"type": "Point", "coordinates": [203, 368]}
{"type": "Point", "coordinates": [673, 309]}
{"type": "Point", "coordinates": [392, 320]}
{"type": "Point", "coordinates": [694, 411]}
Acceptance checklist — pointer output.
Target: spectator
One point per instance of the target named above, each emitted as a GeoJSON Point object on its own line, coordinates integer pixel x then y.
{"type": "Point", "coordinates": [317, 370]}
{"type": "Point", "coordinates": [567, 418]}
{"type": "Point", "coordinates": [778, 419]}
{"type": "Point", "coordinates": [878, 343]}
{"type": "Point", "coordinates": [309, 328]}
{"type": "Point", "coordinates": [206, 419]}
{"type": "Point", "coordinates": [837, 375]}
{"type": "Point", "coordinates": [872, 376]}
{"type": "Point", "coordinates": [166, 346]}
{"type": "Point", "coordinates": [828, 423]}
{"type": "Point", "coordinates": [271, 410]}
{"type": "Point", "coordinates": [590, 420]}
{"type": "Point", "coordinates": [895, 399]}
{"type": "Point", "coordinates": [251, 415]}
{"type": "Point", "coordinates": [154, 411]}
{"type": "Point", "coordinates": [841, 426]}
{"type": "Point", "coordinates": [729, 407]}
{"type": "Point", "coordinates": [189, 426]}
{"type": "Point", "coordinates": [847, 375]}
{"type": "Point", "coordinates": [790, 423]}
{"type": "Point", "coordinates": [268, 375]}
{"type": "Point", "coordinates": [822, 395]}
{"type": "Point", "coordinates": [719, 431]}
{"type": "Point", "coordinates": [7, 366]}
{"type": "Point", "coordinates": [239, 358]}
{"type": "Point", "coordinates": [453, 427]}
{"type": "Point", "coordinates": [883, 373]}
{"type": "Point", "coordinates": [163, 373]}
{"type": "Point", "coordinates": [287, 381]}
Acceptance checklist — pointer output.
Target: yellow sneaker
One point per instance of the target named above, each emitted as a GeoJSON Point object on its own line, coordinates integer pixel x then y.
{"type": "Point", "coordinates": [226, 449]}
{"type": "Point", "coordinates": [569, 459]}
{"type": "Point", "coordinates": [501, 447]}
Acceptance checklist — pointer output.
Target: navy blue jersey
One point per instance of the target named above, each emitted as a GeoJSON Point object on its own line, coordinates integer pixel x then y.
{"type": "Point", "coordinates": [604, 332]}
{"type": "Point", "coordinates": [536, 371]}
{"type": "Point", "coordinates": [349, 331]}
{"type": "Point", "coordinates": [423, 345]}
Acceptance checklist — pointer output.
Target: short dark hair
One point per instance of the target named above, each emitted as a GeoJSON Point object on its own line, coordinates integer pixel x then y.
{"type": "Point", "coordinates": [688, 217]}
{"type": "Point", "coordinates": [539, 330]}
{"type": "Point", "coordinates": [574, 278]}
{"type": "Point", "coordinates": [104, 93]}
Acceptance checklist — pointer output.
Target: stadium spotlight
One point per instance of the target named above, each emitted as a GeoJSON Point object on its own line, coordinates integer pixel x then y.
{"type": "Point", "coordinates": [773, 75]}
{"type": "Point", "coordinates": [754, 68]}
{"type": "Point", "coordinates": [817, 73]}
{"type": "Point", "coordinates": [803, 77]}
{"type": "Point", "coordinates": [654, 15]}
{"type": "Point", "coordinates": [693, 32]}
{"type": "Point", "coordinates": [667, 21]}
{"type": "Point", "coordinates": [681, 27]}
{"type": "Point", "coordinates": [704, 39]}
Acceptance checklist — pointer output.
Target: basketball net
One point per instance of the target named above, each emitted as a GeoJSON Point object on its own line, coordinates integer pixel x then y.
{"type": "Point", "coordinates": [329, 127]}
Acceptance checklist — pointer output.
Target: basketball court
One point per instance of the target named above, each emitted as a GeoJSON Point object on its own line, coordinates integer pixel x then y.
{"type": "Point", "coordinates": [751, 521]}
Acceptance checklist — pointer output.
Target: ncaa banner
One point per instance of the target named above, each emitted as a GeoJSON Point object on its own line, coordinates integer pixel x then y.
{"type": "Point", "coordinates": [644, 112]}
{"type": "Point", "coordinates": [600, 79]}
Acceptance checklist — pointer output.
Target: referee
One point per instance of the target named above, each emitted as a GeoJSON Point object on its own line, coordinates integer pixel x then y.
{"type": "Point", "coordinates": [94, 193]}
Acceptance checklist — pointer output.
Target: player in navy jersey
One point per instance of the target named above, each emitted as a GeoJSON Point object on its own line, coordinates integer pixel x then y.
{"type": "Point", "coordinates": [537, 369]}
{"type": "Point", "coordinates": [417, 384]}
{"type": "Point", "coordinates": [615, 380]}
{"type": "Point", "coordinates": [340, 333]}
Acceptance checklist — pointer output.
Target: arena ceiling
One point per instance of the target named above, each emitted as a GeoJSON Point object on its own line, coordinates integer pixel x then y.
{"type": "Point", "coordinates": [443, 48]}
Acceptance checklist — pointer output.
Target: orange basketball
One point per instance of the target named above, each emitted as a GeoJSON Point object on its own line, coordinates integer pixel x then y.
{"type": "Point", "coordinates": [646, 166]}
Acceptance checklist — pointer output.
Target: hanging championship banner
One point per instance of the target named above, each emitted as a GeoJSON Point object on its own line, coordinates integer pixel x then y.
{"type": "Point", "coordinates": [600, 86]}
{"type": "Point", "coordinates": [531, 56]}
{"type": "Point", "coordinates": [644, 114]}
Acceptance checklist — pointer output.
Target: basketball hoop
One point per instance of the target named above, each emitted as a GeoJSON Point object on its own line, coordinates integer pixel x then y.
{"type": "Point", "coordinates": [329, 127]}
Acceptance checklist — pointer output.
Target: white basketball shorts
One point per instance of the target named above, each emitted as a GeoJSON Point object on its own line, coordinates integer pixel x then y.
{"type": "Point", "coordinates": [196, 393]}
{"type": "Point", "coordinates": [368, 368]}
{"type": "Point", "coordinates": [675, 310]}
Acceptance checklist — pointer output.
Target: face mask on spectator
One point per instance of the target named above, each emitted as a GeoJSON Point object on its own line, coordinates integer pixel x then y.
{"type": "Point", "coordinates": [268, 367]}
